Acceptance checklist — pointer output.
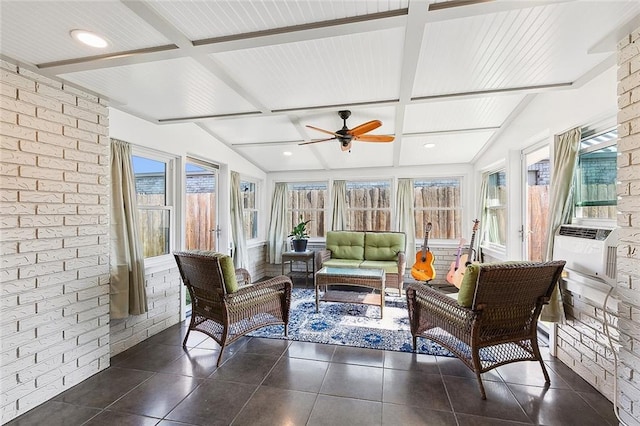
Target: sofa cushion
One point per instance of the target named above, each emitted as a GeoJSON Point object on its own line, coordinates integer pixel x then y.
{"type": "Point", "coordinates": [346, 244]}
{"type": "Point", "coordinates": [383, 245]}
{"type": "Point", "coordinates": [342, 263]}
{"type": "Point", "coordinates": [388, 266]}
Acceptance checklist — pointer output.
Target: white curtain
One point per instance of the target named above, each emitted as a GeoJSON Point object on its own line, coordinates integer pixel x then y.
{"type": "Point", "coordinates": [240, 254]}
{"type": "Point", "coordinates": [339, 217]}
{"type": "Point", "coordinates": [277, 223]}
{"type": "Point", "coordinates": [482, 214]}
{"type": "Point", "coordinates": [127, 286]}
{"type": "Point", "coordinates": [405, 218]}
{"type": "Point", "coordinates": [565, 156]}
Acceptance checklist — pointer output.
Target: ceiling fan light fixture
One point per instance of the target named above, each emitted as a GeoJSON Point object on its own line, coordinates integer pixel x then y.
{"type": "Point", "coordinates": [89, 39]}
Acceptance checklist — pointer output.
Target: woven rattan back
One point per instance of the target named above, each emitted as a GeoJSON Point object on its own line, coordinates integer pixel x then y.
{"type": "Point", "coordinates": [510, 296]}
{"type": "Point", "coordinates": [202, 274]}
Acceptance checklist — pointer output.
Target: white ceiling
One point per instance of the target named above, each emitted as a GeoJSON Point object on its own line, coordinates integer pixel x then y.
{"type": "Point", "coordinates": [253, 73]}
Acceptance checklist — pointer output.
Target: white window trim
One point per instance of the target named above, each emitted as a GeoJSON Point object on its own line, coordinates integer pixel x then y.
{"type": "Point", "coordinates": [258, 208]}
{"type": "Point", "coordinates": [156, 262]}
{"type": "Point", "coordinates": [444, 242]}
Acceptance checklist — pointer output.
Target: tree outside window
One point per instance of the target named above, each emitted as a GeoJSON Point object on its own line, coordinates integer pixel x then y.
{"type": "Point", "coordinates": [438, 201]}
{"type": "Point", "coordinates": [368, 205]}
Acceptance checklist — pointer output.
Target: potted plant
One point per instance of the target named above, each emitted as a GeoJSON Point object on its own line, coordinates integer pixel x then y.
{"type": "Point", "coordinates": [299, 234]}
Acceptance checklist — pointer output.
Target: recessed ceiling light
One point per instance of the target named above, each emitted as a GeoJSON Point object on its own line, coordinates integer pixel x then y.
{"type": "Point", "coordinates": [89, 38]}
{"type": "Point", "coordinates": [429, 145]}
{"type": "Point", "coordinates": [287, 153]}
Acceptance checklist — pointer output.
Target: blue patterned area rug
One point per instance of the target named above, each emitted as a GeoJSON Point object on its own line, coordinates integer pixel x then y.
{"type": "Point", "coordinates": [350, 325]}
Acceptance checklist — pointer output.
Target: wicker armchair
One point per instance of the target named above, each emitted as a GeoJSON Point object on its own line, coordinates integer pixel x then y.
{"type": "Point", "coordinates": [500, 324]}
{"type": "Point", "coordinates": [221, 309]}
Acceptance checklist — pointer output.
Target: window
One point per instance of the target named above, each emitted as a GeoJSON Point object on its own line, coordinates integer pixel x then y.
{"type": "Point", "coordinates": [201, 209]}
{"type": "Point", "coordinates": [596, 177]}
{"type": "Point", "coordinates": [155, 209]}
{"type": "Point", "coordinates": [438, 201]}
{"type": "Point", "coordinates": [495, 206]}
{"type": "Point", "coordinates": [249, 207]}
{"type": "Point", "coordinates": [369, 206]}
{"type": "Point", "coordinates": [307, 200]}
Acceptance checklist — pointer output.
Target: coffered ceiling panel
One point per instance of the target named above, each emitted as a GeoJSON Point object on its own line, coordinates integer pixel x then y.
{"type": "Point", "coordinates": [254, 73]}
{"type": "Point", "coordinates": [163, 89]}
{"type": "Point", "coordinates": [470, 113]}
{"type": "Point", "coordinates": [200, 20]}
{"type": "Point", "coordinates": [516, 48]}
{"type": "Point", "coordinates": [244, 130]}
{"type": "Point", "coordinates": [329, 71]}
{"type": "Point", "coordinates": [272, 157]}
{"type": "Point", "coordinates": [38, 31]}
{"type": "Point", "coordinates": [362, 155]}
{"type": "Point", "coordinates": [447, 149]}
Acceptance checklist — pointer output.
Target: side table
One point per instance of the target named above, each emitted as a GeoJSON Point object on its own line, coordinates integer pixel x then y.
{"type": "Point", "coordinates": [300, 256]}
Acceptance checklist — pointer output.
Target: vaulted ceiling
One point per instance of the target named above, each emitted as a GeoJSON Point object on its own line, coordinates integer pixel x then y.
{"type": "Point", "coordinates": [254, 73]}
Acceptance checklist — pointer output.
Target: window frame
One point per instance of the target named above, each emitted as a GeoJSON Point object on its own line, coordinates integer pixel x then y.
{"type": "Point", "coordinates": [170, 162]}
{"type": "Point", "coordinates": [460, 208]}
{"type": "Point", "coordinates": [387, 209]}
{"type": "Point", "coordinates": [324, 210]}
{"type": "Point", "coordinates": [577, 202]}
{"type": "Point", "coordinates": [485, 242]}
{"type": "Point", "coordinates": [256, 209]}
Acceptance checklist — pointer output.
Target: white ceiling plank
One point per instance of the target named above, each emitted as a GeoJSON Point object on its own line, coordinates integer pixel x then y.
{"type": "Point", "coordinates": [253, 73]}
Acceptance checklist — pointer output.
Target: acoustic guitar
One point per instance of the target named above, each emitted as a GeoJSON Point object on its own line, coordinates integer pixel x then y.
{"type": "Point", "coordinates": [456, 264]}
{"type": "Point", "coordinates": [465, 259]}
{"type": "Point", "coordinates": [423, 269]}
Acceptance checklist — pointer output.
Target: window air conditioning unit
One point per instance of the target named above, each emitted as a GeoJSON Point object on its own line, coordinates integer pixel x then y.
{"type": "Point", "coordinates": [590, 251]}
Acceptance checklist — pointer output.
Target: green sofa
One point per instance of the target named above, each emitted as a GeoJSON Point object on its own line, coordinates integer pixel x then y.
{"type": "Point", "coordinates": [368, 249]}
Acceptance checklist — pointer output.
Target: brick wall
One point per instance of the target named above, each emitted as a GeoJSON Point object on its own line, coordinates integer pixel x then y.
{"type": "Point", "coordinates": [163, 299]}
{"type": "Point", "coordinates": [628, 281]}
{"type": "Point", "coordinates": [54, 214]}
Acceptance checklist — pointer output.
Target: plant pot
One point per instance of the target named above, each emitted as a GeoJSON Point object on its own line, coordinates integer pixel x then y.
{"type": "Point", "coordinates": [299, 245]}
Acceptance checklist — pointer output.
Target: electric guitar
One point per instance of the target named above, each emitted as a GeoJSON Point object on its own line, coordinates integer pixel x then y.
{"type": "Point", "coordinates": [465, 259]}
{"type": "Point", "coordinates": [423, 269]}
{"type": "Point", "coordinates": [455, 265]}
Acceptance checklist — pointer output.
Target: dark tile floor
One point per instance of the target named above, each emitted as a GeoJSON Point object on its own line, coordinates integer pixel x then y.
{"type": "Point", "coordinates": [276, 382]}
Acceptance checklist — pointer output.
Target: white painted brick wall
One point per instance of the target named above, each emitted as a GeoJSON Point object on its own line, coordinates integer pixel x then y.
{"type": "Point", "coordinates": [163, 299]}
{"type": "Point", "coordinates": [628, 281]}
{"type": "Point", "coordinates": [54, 293]}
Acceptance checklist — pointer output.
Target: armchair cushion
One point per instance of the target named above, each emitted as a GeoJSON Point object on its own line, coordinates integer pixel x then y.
{"type": "Point", "coordinates": [470, 279]}
{"type": "Point", "coordinates": [228, 268]}
{"type": "Point", "coordinates": [383, 245]}
{"type": "Point", "coordinates": [468, 286]}
{"type": "Point", "coordinates": [346, 245]}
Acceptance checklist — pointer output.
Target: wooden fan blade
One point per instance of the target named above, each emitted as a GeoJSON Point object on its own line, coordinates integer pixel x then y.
{"type": "Point", "coordinates": [374, 138]}
{"type": "Point", "coordinates": [319, 140]}
{"type": "Point", "coordinates": [323, 130]}
{"type": "Point", "coordinates": [365, 127]}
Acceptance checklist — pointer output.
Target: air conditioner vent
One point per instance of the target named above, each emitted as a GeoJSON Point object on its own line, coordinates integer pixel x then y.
{"type": "Point", "coordinates": [586, 233]}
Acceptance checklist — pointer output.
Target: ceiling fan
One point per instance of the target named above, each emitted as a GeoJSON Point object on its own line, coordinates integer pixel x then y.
{"type": "Point", "coordinates": [346, 135]}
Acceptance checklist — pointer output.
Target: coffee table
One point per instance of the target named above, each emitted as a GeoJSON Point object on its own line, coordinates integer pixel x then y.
{"type": "Point", "coordinates": [370, 278]}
